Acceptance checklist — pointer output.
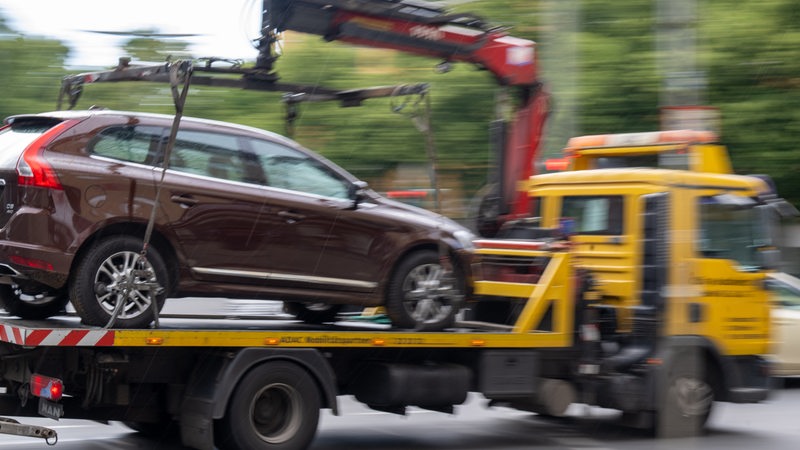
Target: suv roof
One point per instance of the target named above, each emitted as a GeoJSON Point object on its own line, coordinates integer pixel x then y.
{"type": "Point", "coordinates": [86, 113]}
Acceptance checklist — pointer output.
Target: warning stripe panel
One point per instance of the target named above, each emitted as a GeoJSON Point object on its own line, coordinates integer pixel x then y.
{"type": "Point", "coordinates": [56, 337]}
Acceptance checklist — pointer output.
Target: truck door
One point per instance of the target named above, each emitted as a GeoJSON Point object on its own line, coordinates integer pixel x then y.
{"type": "Point", "coordinates": [730, 299]}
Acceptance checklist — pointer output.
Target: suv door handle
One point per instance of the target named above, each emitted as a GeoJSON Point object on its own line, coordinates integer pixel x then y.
{"type": "Point", "coordinates": [185, 200]}
{"type": "Point", "coordinates": [290, 217]}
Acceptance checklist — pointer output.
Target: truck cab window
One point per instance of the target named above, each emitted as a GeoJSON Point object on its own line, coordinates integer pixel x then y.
{"type": "Point", "coordinates": [598, 215]}
{"type": "Point", "coordinates": [730, 231]}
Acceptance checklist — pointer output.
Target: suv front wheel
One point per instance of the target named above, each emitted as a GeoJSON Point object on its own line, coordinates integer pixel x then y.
{"type": "Point", "coordinates": [423, 293]}
{"type": "Point", "coordinates": [113, 276]}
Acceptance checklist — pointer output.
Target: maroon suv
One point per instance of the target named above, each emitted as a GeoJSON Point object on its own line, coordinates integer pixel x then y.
{"type": "Point", "coordinates": [241, 213]}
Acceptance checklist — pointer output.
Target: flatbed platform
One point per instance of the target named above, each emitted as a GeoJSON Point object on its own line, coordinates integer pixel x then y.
{"type": "Point", "coordinates": [263, 331]}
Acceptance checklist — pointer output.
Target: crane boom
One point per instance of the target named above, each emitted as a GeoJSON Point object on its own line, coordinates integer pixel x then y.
{"type": "Point", "coordinates": [424, 28]}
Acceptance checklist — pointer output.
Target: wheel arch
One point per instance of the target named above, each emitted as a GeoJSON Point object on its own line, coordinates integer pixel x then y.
{"type": "Point", "coordinates": [426, 246]}
{"type": "Point", "coordinates": [136, 229]}
{"type": "Point", "coordinates": [246, 360]}
{"type": "Point", "coordinates": [713, 362]}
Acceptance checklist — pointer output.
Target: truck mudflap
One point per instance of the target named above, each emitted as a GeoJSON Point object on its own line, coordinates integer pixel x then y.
{"type": "Point", "coordinates": [749, 379]}
{"type": "Point", "coordinates": [11, 426]}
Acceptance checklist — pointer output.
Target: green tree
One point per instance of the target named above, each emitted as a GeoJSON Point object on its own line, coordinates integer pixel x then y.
{"type": "Point", "coordinates": [148, 45]}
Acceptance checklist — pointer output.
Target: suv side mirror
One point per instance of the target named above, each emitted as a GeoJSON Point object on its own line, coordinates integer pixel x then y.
{"type": "Point", "coordinates": [355, 192]}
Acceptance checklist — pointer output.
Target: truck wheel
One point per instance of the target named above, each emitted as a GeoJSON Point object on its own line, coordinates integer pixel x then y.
{"type": "Point", "coordinates": [33, 302]}
{"type": "Point", "coordinates": [275, 407]}
{"type": "Point", "coordinates": [687, 398]}
{"type": "Point", "coordinates": [422, 294]}
{"type": "Point", "coordinates": [315, 313]}
{"type": "Point", "coordinates": [112, 272]}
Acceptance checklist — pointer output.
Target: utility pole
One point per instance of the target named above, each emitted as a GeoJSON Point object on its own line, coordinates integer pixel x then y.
{"type": "Point", "coordinates": [683, 94]}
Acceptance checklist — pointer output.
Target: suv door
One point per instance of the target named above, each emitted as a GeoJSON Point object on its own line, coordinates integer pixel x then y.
{"type": "Point", "coordinates": [215, 206]}
{"type": "Point", "coordinates": [258, 212]}
{"type": "Point", "coordinates": [317, 237]}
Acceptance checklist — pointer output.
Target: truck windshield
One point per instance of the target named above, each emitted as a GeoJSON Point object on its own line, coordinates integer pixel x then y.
{"type": "Point", "coordinates": [731, 231]}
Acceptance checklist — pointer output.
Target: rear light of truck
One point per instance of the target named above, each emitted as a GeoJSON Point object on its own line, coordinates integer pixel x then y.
{"type": "Point", "coordinates": [32, 168]}
{"type": "Point", "coordinates": [47, 387]}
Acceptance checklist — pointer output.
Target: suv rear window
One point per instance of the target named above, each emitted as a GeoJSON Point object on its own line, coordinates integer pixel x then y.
{"type": "Point", "coordinates": [138, 144]}
{"type": "Point", "coordinates": [15, 138]}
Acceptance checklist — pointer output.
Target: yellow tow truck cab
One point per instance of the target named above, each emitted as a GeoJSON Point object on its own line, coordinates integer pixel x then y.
{"type": "Point", "coordinates": [693, 247]}
{"type": "Point", "coordinates": [670, 250]}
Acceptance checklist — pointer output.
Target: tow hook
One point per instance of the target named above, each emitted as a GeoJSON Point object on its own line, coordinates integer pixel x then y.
{"type": "Point", "coordinates": [11, 426]}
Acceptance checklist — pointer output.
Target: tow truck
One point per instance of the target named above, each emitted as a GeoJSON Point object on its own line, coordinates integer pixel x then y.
{"type": "Point", "coordinates": [638, 289]}
{"type": "Point", "coordinates": [618, 287]}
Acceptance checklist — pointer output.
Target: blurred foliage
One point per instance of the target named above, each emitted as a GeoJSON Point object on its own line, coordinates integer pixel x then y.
{"type": "Point", "coordinates": [749, 52]}
{"type": "Point", "coordinates": [147, 48]}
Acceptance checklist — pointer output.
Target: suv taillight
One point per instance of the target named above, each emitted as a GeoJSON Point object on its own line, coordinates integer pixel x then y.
{"type": "Point", "coordinates": [32, 168]}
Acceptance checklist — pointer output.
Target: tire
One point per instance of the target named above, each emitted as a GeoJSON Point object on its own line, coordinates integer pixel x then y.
{"type": "Point", "coordinates": [32, 301]}
{"type": "Point", "coordinates": [422, 294]}
{"type": "Point", "coordinates": [314, 313]}
{"type": "Point", "coordinates": [275, 406]}
{"type": "Point", "coordinates": [105, 276]}
{"type": "Point", "coordinates": [485, 210]}
{"type": "Point", "coordinates": [687, 397]}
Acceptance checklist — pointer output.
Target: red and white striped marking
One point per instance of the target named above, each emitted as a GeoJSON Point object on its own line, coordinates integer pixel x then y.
{"type": "Point", "coordinates": [56, 337]}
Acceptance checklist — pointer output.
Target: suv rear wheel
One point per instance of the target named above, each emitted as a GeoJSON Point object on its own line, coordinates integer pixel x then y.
{"type": "Point", "coordinates": [113, 272]}
{"type": "Point", "coordinates": [314, 313]}
{"type": "Point", "coordinates": [32, 301]}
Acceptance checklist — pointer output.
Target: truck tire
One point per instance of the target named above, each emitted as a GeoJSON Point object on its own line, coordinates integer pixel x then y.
{"type": "Point", "coordinates": [314, 313]}
{"type": "Point", "coordinates": [422, 295]}
{"type": "Point", "coordinates": [687, 397]}
{"type": "Point", "coordinates": [32, 302]}
{"type": "Point", "coordinates": [275, 406]}
{"type": "Point", "coordinates": [111, 272]}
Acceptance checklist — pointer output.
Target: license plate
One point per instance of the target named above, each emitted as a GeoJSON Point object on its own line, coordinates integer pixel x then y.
{"type": "Point", "coordinates": [50, 409]}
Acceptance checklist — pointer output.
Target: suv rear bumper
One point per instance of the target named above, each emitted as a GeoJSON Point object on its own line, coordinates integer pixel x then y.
{"type": "Point", "coordinates": [41, 264]}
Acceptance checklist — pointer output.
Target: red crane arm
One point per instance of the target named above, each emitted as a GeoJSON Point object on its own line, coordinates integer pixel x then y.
{"type": "Point", "coordinates": [423, 28]}
{"type": "Point", "coordinates": [412, 27]}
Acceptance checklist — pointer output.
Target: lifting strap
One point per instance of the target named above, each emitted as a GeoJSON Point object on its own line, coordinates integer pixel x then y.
{"type": "Point", "coordinates": [180, 72]}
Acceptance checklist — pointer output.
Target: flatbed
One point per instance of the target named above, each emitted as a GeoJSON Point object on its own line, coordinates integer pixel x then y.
{"type": "Point", "coordinates": [265, 331]}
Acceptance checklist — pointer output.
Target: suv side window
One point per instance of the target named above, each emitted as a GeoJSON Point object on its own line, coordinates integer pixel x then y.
{"type": "Point", "coordinates": [214, 155]}
{"type": "Point", "coordinates": [138, 143]}
{"type": "Point", "coordinates": [287, 168]}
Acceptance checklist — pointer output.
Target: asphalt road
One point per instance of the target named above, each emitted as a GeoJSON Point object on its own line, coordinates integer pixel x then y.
{"type": "Point", "coordinates": [771, 425]}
